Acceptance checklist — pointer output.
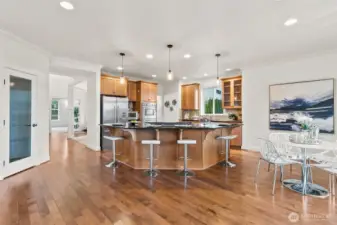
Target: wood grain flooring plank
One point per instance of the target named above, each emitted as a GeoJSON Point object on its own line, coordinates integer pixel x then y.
{"type": "Point", "coordinates": [76, 188]}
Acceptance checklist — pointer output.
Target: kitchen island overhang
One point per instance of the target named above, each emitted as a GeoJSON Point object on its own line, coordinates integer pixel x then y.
{"type": "Point", "coordinates": [168, 155]}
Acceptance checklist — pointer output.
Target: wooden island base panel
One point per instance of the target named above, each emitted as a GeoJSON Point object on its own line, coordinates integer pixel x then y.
{"type": "Point", "coordinates": [168, 155]}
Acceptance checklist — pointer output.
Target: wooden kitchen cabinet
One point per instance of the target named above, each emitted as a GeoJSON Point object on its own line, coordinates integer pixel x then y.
{"type": "Point", "coordinates": [132, 91]}
{"type": "Point", "coordinates": [153, 92]}
{"type": "Point", "coordinates": [237, 142]}
{"type": "Point", "coordinates": [190, 97]}
{"type": "Point", "coordinates": [232, 93]}
{"type": "Point", "coordinates": [147, 92]}
{"type": "Point", "coordinates": [112, 86]}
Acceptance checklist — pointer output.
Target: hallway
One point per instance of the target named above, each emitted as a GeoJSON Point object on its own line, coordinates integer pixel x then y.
{"type": "Point", "coordinates": [75, 188]}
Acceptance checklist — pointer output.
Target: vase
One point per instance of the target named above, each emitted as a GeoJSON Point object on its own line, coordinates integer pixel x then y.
{"type": "Point", "coordinates": [304, 136]}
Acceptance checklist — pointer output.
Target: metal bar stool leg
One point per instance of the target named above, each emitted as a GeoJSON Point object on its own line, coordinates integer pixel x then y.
{"type": "Point", "coordinates": [151, 172]}
{"type": "Point", "coordinates": [185, 172]}
{"type": "Point", "coordinates": [227, 163]}
{"type": "Point", "coordinates": [114, 163]}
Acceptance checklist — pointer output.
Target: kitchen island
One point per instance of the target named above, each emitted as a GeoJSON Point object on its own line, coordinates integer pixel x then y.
{"type": "Point", "coordinates": [203, 155]}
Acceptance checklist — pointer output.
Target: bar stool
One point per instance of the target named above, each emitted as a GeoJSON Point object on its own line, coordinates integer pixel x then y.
{"type": "Point", "coordinates": [151, 172]}
{"type": "Point", "coordinates": [186, 142]}
{"type": "Point", "coordinates": [114, 163]}
{"type": "Point", "coordinates": [227, 163]}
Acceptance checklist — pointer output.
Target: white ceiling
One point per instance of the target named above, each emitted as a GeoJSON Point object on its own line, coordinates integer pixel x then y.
{"type": "Point", "coordinates": [246, 32]}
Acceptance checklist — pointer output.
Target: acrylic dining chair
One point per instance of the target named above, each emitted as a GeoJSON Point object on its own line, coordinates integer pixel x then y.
{"type": "Point", "coordinates": [271, 155]}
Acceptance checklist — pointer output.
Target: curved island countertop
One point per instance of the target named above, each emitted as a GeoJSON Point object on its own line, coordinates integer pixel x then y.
{"type": "Point", "coordinates": [179, 125]}
{"type": "Point", "coordinates": [207, 152]}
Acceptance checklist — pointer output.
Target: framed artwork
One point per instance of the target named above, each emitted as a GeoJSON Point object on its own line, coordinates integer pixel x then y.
{"type": "Point", "coordinates": [313, 99]}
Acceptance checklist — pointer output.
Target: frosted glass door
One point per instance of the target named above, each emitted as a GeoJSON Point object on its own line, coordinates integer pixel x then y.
{"type": "Point", "coordinates": [20, 118]}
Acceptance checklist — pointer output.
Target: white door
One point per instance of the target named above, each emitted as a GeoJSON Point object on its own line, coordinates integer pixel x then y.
{"type": "Point", "coordinates": [20, 122]}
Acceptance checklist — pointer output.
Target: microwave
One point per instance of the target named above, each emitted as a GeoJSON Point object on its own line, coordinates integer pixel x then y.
{"type": "Point", "coordinates": [133, 115]}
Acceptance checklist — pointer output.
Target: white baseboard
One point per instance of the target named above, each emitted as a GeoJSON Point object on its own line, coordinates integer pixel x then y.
{"type": "Point", "coordinates": [97, 148]}
{"type": "Point", "coordinates": [42, 160]}
{"type": "Point", "coordinates": [251, 148]}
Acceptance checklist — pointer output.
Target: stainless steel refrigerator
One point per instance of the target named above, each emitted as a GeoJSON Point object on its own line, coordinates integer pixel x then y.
{"type": "Point", "coordinates": [114, 110]}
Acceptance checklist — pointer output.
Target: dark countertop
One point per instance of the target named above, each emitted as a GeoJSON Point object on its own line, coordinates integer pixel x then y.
{"type": "Point", "coordinates": [183, 126]}
{"type": "Point", "coordinates": [215, 121]}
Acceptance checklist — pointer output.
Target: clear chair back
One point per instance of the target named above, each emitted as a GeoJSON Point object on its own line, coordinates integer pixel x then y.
{"type": "Point", "coordinates": [268, 150]}
{"type": "Point", "coordinates": [281, 142]}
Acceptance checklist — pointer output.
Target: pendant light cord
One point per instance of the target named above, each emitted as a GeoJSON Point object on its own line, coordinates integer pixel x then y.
{"type": "Point", "coordinates": [217, 67]}
{"type": "Point", "coordinates": [122, 65]}
{"type": "Point", "coordinates": [169, 59]}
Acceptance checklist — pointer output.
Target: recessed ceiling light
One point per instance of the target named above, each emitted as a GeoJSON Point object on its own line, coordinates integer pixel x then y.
{"type": "Point", "coordinates": [119, 68]}
{"type": "Point", "coordinates": [67, 5]}
{"type": "Point", "coordinates": [184, 78]}
{"type": "Point", "coordinates": [154, 75]}
{"type": "Point", "coordinates": [290, 22]}
{"type": "Point", "coordinates": [187, 56]}
{"type": "Point", "coordinates": [205, 74]}
{"type": "Point", "coordinates": [149, 56]}
{"type": "Point", "coordinates": [228, 69]}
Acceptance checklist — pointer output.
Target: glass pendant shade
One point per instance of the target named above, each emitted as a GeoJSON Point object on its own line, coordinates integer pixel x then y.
{"type": "Point", "coordinates": [170, 75]}
{"type": "Point", "coordinates": [218, 81]}
{"type": "Point", "coordinates": [122, 80]}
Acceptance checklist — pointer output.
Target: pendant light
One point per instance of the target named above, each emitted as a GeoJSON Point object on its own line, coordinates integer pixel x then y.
{"type": "Point", "coordinates": [170, 74]}
{"type": "Point", "coordinates": [217, 68]}
{"type": "Point", "coordinates": [122, 78]}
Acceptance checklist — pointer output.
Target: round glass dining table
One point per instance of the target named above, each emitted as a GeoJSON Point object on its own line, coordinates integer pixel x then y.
{"type": "Point", "coordinates": [303, 186]}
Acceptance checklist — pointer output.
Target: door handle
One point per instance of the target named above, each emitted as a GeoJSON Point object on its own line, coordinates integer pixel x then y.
{"type": "Point", "coordinates": [31, 125]}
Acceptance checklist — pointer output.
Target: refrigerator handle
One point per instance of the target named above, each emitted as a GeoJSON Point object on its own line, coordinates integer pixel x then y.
{"type": "Point", "coordinates": [117, 118]}
{"type": "Point", "coordinates": [115, 114]}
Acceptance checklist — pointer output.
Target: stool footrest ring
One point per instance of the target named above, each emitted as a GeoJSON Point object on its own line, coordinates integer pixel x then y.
{"type": "Point", "coordinates": [112, 164]}
{"type": "Point", "coordinates": [151, 173]}
{"type": "Point", "coordinates": [227, 164]}
{"type": "Point", "coordinates": [186, 173]}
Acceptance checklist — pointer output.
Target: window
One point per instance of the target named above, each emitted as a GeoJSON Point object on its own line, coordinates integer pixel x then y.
{"type": "Point", "coordinates": [55, 109]}
{"type": "Point", "coordinates": [212, 98]}
{"type": "Point", "coordinates": [77, 114]}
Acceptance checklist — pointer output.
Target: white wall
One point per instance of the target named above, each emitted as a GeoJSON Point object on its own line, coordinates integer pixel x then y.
{"type": "Point", "coordinates": [171, 91]}
{"type": "Point", "coordinates": [93, 111]}
{"type": "Point", "coordinates": [256, 90]}
{"type": "Point", "coordinates": [20, 55]}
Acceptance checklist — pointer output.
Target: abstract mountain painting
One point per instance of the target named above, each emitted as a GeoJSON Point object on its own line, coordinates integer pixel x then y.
{"type": "Point", "coordinates": [314, 99]}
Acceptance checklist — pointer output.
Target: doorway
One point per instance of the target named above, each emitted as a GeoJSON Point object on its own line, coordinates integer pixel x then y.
{"type": "Point", "coordinates": [21, 125]}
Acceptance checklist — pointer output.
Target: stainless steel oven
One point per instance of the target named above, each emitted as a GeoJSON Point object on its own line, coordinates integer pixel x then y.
{"type": "Point", "coordinates": [149, 112]}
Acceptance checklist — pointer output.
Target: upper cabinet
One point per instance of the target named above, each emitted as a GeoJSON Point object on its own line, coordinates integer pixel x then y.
{"type": "Point", "coordinates": [190, 97]}
{"type": "Point", "coordinates": [112, 86]}
{"type": "Point", "coordinates": [232, 93]}
{"type": "Point", "coordinates": [147, 92]}
{"type": "Point", "coordinates": [132, 91]}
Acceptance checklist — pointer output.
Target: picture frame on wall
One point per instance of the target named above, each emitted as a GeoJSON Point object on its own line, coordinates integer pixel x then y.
{"type": "Point", "coordinates": [314, 99]}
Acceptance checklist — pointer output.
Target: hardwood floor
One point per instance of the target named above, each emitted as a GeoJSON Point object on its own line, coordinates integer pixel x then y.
{"type": "Point", "coordinates": [75, 188]}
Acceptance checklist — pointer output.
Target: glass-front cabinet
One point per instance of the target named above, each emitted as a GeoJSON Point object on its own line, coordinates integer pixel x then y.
{"type": "Point", "coordinates": [232, 93]}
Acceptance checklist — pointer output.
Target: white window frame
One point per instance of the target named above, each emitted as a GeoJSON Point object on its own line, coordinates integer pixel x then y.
{"type": "Point", "coordinates": [203, 101]}
{"type": "Point", "coordinates": [58, 109]}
